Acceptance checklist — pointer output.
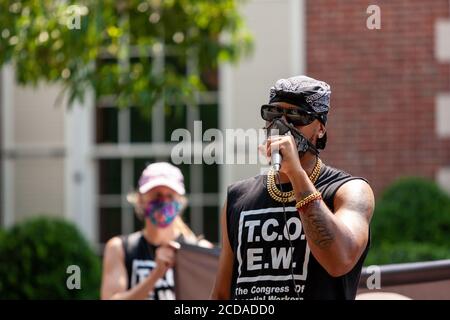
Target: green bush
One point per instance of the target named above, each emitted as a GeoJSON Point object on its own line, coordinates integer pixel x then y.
{"type": "Point", "coordinates": [34, 257]}
{"type": "Point", "coordinates": [411, 223]}
{"type": "Point", "coordinates": [388, 253]}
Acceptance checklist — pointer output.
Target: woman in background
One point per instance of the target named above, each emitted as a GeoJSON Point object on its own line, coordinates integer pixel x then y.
{"type": "Point", "coordinates": [140, 265]}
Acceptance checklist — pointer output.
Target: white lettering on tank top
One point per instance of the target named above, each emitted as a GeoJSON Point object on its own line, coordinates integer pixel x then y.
{"type": "Point", "coordinates": [163, 287]}
{"type": "Point", "coordinates": [265, 256]}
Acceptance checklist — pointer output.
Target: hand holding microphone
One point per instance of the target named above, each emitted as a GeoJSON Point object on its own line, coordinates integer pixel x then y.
{"type": "Point", "coordinates": [283, 153]}
{"type": "Point", "coordinates": [275, 158]}
{"type": "Point", "coordinates": [275, 155]}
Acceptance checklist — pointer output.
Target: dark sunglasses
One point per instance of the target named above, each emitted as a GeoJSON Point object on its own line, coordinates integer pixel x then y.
{"type": "Point", "coordinates": [294, 116]}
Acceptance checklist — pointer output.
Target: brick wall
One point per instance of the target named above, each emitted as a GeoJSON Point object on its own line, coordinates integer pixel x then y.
{"type": "Point", "coordinates": [384, 84]}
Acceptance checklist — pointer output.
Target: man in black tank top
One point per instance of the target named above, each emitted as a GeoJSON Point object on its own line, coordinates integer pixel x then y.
{"type": "Point", "coordinates": [303, 233]}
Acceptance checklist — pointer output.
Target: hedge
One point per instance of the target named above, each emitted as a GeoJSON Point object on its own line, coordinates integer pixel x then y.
{"type": "Point", "coordinates": [411, 223]}
{"type": "Point", "coordinates": [35, 255]}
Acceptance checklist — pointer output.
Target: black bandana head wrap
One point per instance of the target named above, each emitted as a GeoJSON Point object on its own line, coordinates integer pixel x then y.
{"type": "Point", "coordinates": [307, 93]}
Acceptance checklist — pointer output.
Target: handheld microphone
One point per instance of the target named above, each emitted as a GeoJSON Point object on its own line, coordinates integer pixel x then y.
{"type": "Point", "coordinates": [279, 127]}
{"type": "Point", "coordinates": [276, 160]}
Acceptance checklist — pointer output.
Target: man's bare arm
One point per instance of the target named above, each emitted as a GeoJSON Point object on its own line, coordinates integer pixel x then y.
{"type": "Point", "coordinates": [337, 240]}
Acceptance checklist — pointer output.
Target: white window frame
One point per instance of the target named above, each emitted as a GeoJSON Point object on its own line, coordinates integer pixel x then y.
{"type": "Point", "coordinates": [7, 136]}
{"type": "Point", "coordinates": [126, 151]}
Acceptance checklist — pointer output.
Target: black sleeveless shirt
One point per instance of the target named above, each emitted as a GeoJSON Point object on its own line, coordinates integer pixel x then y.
{"type": "Point", "coordinates": [264, 262]}
{"type": "Point", "coordinates": [140, 261]}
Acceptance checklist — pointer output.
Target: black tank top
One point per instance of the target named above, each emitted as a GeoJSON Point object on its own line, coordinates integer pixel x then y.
{"type": "Point", "coordinates": [140, 261]}
{"type": "Point", "coordinates": [262, 253]}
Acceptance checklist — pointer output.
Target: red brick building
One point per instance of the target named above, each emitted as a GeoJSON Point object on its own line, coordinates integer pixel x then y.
{"type": "Point", "coordinates": [384, 118]}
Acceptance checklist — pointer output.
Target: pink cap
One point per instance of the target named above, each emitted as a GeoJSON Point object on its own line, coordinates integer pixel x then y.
{"type": "Point", "coordinates": [161, 174]}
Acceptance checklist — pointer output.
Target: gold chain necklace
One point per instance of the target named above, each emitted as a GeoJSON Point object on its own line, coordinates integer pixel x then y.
{"type": "Point", "coordinates": [288, 196]}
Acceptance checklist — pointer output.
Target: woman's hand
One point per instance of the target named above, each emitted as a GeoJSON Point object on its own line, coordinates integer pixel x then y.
{"type": "Point", "coordinates": [165, 258]}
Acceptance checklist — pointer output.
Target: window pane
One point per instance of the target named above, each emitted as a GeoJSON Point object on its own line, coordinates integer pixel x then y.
{"type": "Point", "coordinates": [186, 216]}
{"type": "Point", "coordinates": [110, 223]}
{"type": "Point", "coordinates": [209, 114]}
{"type": "Point", "coordinates": [176, 63]}
{"type": "Point", "coordinates": [175, 117]}
{"type": "Point", "coordinates": [110, 176]}
{"type": "Point", "coordinates": [138, 224]}
{"type": "Point", "coordinates": [185, 170]}
{"type": "Point", "coordinates": [139, 165]}
{"type": "Point", "coordinates": [134, 61]}
{"type": "Point", "coordinates": [107, 125]}
{"type": "Point", "coordinates": [140, 126]}
{"type": "Point", "coordinates": [211, 223]}
{"type": "Point", "coordinates": [210, 178]}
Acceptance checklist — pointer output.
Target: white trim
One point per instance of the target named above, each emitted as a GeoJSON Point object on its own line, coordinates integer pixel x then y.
{"type": "Point", "coordinates": [158, 120]}
{"type": "Point", "coordinates": [34, 151]}
{"type": "Point", "coordinates": [127, 212]}
{"type": "Point", "coordinates": [204, 97]}
{"type": "Point", "coordinates": [443, 178]}
{"type": "Point", "coordinates": [225, 105]}
{"type": "Point", "coordinates": [7, 136]}
{"type": "Point", "coordinates": [298, 36]}
{"type": "Point", "coordinates": [195, 171]}
{"type": "Point", "coordinates": [123, 123]}
{"type": "Point", "coordinates": [442, 115]}
{"type": "Point", "coordinates": [196, 219]}
{"type": "Point", "coordinates": [273, 278]}
{"type": "Point", "coordinates": [145, 150]}
{"type": "Point", "coordinates": [225, 120]}
{"type": "Point", "coordinates": [80, 177]}
{"type": "Point", "coordinates": [194, 199]}
{"type": "Point", "coordinates": [442, 40]}
{"type": "Point", "coordinates": [126, 172]}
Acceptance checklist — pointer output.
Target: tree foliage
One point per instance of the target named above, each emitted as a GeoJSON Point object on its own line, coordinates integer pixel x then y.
{"type": "Point", "coordinates": [105, 45]}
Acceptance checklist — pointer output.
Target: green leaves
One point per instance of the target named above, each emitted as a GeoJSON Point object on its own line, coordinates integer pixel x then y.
{"type": "Point", "coordinates": [34, 257]}
{"type": "Point", "coordinates": [69, 41]}
{"type": "Point", "coordinates": [411, 221]}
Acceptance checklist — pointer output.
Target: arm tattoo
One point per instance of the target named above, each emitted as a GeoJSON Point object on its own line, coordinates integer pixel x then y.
{"type": "Point", "coordinates": [317, 225]}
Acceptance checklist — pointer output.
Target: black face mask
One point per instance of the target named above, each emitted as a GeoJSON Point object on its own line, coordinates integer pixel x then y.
{"type": "Point", "coordinates": [281, 127]}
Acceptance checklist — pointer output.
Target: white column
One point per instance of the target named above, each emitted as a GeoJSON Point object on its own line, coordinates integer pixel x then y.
{"type": "Point", "coordinates": [442, 101]}
{"type": "Point", "coordinates": [127, 215]}
{"type": "Point", "coordinates": [442, 118]}
{"type": "Point", "coordinates": [443, 178]}
{"type": "Point", "coordinates": [298, 36]}
{"type": "Point", "coordinates": [225, 122]}
{"type": "Point", "coordinates": [7, 136]}
{"type": "Point", "coordinates": [442, 40]}
{"type": "Point", "coordinates": [80, 173]}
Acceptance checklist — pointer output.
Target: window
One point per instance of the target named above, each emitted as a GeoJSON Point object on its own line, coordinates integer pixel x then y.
{"type": "Point", "coordinates": [127, 140]}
